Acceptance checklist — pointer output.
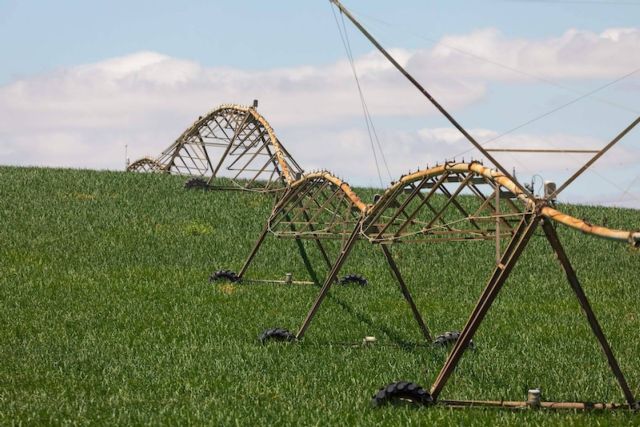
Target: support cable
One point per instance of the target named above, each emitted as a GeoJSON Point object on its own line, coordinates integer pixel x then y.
{"type": "Point", "coordinates": [548, 113]}
{"type": "Point", "coordinates": [369, 123]}
{"type": "Point", "coordinates": [364, 103]}
{"type": "Point", "coordinates": [623, 192]}
{"type": "Point", "coordinates": [429, 97]}
{"type": "Point", "coordinates": [481, 146]}
{"type": "Point", "coordinates": [494, 62]}
{"type": "Point", "coordinates": [629, 187]}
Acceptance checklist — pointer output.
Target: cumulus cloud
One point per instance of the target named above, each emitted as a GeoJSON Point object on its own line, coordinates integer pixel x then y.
{"type": "Point", "coordinates": [83, 116]}
{"type": "Point", "coordinates": [573, 55]}
{"type": "Point", "coordinates": [407, 151]}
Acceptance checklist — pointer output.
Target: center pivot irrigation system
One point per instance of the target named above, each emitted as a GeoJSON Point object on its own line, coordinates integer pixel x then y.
{"type": "Point", "coordinates": [232, 140]}
{"type": "Point", "coordinates": [453, 201]}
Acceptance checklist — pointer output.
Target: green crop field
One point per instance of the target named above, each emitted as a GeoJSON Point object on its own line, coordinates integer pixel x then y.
{"type": "Point", "coordinates": [107, 316]}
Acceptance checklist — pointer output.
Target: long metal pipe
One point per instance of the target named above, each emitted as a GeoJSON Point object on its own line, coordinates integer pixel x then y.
{"type": "Point", "coordinates": [586, 406]}
{"type": "Point", "coordinates": [278, 149]}
{"type": "Point", "coordinates": [327, 176]}
{"type": "Point", "coordinates": [632, 237]}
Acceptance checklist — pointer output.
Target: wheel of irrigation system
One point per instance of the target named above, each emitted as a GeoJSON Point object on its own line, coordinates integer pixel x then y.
{"type": "Point", "coordinates": [195, 183]}
{"type": "Point", "coordinates": [402, 392]}
{"type": "Point", "coordinates": [227, 275]}
{"type": "Point", "coordinates": [353, 278]}
{"type": "Point", "coordinates": [276, 334]}
{"type": "Point", "coordinates": [448, 339]}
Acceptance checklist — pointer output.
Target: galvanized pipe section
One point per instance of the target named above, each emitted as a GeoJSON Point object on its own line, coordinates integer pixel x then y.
{"type": "Point", "coordinates": [328, 176]}
{"type": "Point", "coordinates": [594, 230]}
{"type": "Point", "coordinates": [476, 167]}
{"type": "Point", "coordinates": [497, 177]}
{"type": "Point", "coordinates": [585, 406]}
{"type": "Point", "coordinates": [278, 150]}
{"type": "Point", "coordinates": [145, 164]}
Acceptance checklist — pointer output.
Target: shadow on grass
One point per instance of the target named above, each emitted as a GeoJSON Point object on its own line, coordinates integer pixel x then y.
{"type": "Point", "coordinates": [397, 340]}
{"type": "Point", "coordinates": [362, 317]}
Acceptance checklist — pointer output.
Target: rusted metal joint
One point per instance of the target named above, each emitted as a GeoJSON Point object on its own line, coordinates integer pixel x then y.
{"type": "Point", "coordinates": [533, 398]}
{"type": "Point", "coordinates": [539, 205]}
{"type": "Point", "coordinates": [448, 164]}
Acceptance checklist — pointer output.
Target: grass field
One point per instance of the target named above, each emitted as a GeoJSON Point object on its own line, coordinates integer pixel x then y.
{"type": "Point", "coordinates": [106, 315]}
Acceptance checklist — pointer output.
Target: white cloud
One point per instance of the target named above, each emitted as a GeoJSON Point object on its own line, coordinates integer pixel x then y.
{"type": "Point", "coordinates": [573, 55]}
{"type": "Point", "coordinates": [411, 150]}
{"type": "Point", "coordinates": [83, 116]}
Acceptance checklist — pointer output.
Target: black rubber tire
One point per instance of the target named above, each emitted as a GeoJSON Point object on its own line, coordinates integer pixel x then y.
{"type": "Point", "coordinates": [227, 275]}
{"type": "Point", "coordinates": [276, 334]}
{"type": "Point", "coordinates": [402, 392]}
{"type": "Point", "coordinates": [448, 339]}
{"type": "Point", "coordinates": [195, 183]}
{"type": "Point", "coordinates": [353, 278]}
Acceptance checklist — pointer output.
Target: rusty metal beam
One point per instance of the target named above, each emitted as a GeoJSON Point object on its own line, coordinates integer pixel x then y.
{"type": "Point", "coordinates": [540, 150]}
{"type": "Point", "coordinates": [595, 158]}
{"type": "Point", "coordinates": [231, 142]}
{"type": "Point", "coordinates": [254, 250]}
{"type": "Point", "coordinates": [511, 255]}
{"type": "Point", "coordinates": [329, 280]}
{"type": "Point", "coordinates": [406, 294]}
{"type": "Point", "coordinates": [508, 404]}
{"type": "Point", "coordinates": [554, 240]}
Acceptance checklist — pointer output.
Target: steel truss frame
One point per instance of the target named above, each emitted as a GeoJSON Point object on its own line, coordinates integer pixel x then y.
{"type": "Point", "coordinates": [535, 211]}
{"type": "Point", "coordinates": [321, 206]}
{"type": "Point", "coordinates": [449, 202]}
{"type": "Point", "coordinates": [388, 220]}
{"type": "Point", "coordinates": [316, 207]}
{"type": "Point", "coordinates": [410, 202]}
{"type": "Point", "coordinates": [145, 164]}
{"type": "Point", "coordinates": [233, 142]}
{"type": "Point", "coordinates": [497, 280]}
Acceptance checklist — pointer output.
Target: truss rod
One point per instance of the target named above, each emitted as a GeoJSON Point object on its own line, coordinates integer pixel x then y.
{"type": "Point", "coordinates": [424, 201]}
{"type": "Point", "coordinates": [404, 205]}
{"type": "Point", "coordinates": [554, 240]}
{"type": "Point", "coordinates": [540, 150]}
{"type": "Point", "coordinates": [595, 158]}
{"type": "Point", "coordinates": [304, 207]}
{"type": "Point", "coordinates": [321, 208]}
{"type": "Point", "coordinates": [229, 145]}
{"type": "Point", "coordinates": [406, 294]}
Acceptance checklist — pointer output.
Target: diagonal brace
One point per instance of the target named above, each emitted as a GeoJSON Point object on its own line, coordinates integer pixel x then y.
{"type": "Point", "coordinates": [406, 293]}
{"type": "Point", "coordinates": [554, 240]}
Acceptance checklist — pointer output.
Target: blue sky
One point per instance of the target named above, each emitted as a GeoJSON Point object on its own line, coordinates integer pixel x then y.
{"type": "Point", "coordinates": [67, 59]}
{"type": "Point", "coordinates": [37, 36]}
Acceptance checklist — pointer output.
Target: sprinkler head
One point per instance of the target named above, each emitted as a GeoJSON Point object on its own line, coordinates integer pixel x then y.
{"type": "Point", "coordinates": [533, 398]}
{"type": "Point", "coordinates": [367, 341]}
